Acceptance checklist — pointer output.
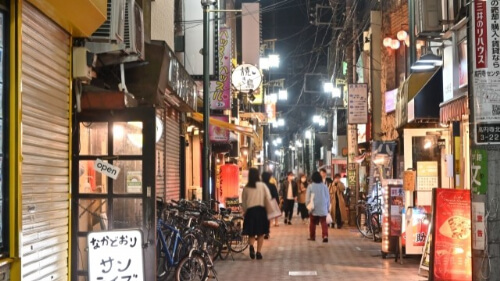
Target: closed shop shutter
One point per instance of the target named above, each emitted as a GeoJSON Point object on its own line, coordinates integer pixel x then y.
{"type": "Point", "coordinates": [160, 158]}
{"type": "Point", "coordinates": [172, 154]}
{"type": "Point", "coordinates": [45, 76]}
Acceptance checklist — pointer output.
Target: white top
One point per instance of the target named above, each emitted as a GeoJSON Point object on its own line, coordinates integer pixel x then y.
{"type": "Point", "coordinates": [289, 192]}
{"type": "Point", "coordinates": [252, 197]}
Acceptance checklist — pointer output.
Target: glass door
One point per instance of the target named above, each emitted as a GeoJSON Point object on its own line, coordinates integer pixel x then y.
{"type": "Point", "coordinates": [113, 179]}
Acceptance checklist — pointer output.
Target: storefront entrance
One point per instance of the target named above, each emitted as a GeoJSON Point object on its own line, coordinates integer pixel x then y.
{"type": "Point", "coordinates": [113, 183]}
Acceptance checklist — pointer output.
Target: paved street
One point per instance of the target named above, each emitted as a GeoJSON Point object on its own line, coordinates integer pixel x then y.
{"type": "Point", "coordinates": [345, 257]}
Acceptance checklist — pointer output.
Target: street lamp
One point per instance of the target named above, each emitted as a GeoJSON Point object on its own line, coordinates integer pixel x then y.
{"type": "Point", "coordinates": [283, 94]}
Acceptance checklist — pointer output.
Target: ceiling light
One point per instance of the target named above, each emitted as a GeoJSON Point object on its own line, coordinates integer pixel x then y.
{"type": "Point", "coordinates": [387, 42]}
{"type": "Point", "coordinates": [395, 44]}
{"type": "Point", "coordinates": [420, 65]}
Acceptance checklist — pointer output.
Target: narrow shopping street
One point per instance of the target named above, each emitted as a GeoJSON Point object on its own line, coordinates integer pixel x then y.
{"type": "Point", "coordinates": [345, 257]}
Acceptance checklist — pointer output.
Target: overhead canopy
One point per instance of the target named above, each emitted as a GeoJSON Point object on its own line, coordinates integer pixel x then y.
{"type": "Point", "coordinates": [419, 97]}
{"type": "Point", "coordinates": [232, 127]}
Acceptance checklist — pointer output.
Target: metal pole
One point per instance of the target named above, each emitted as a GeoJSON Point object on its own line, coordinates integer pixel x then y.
{"type": "Point", "coordinates": [206, 106]}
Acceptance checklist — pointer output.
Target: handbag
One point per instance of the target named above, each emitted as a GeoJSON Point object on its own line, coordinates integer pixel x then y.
{"type": "Point", "coordinates": [329, 219]}
{"type": "Point", "coordinates": [272, 209]}
{"type": "Point", "coordinates": [310, 206]}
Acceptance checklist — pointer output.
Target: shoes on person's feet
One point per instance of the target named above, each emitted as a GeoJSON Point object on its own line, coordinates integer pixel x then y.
{"type": "Point", "coordinates": [252, 252]}
{"type": "Point", "coordinates": [289, 222]}
{"type": "Point", "coordinates": [259, 256]}
{"type": "Point", "coordinates": [286, 221]}
{"type": "Point", "coordinates": [266, 236]}
{"type": "Point", "coordinates": [325, 240]}
{"type": "Point", "coordinates": [311, 239]}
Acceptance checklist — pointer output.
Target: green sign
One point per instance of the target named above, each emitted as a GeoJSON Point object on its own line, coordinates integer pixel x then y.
{"type": "Point", "coordinates": [351, 178]}
{"type": "Point", "coordinates": [344, 67]}
{"type": "Point", "coordinates": [479, 171]}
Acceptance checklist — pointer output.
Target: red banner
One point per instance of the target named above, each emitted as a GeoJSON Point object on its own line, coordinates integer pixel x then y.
{"type": "Point", "coordinates": [451, 250]}
{"type": "Point", "coordinates": [480, 34]}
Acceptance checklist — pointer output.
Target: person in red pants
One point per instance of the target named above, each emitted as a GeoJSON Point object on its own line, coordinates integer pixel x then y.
{"type": "Point", "coordinates": [318, 203]}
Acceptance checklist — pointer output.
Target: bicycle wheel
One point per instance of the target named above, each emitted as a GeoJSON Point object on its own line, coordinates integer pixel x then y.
{"type": "Point", "coordinates": [223, 239]}
{"type": "Point", "coordinates": [238, 242]}
{"type": "Point", "coordinates": [214, 247]}
{"type": "Point", "coordinates": [192, 267]}
{"type": "Point", "coordinates": [162, 268]}
{"type": "Point", "coordinates": [362, 225]}
{"type": "Point", "coordinates": [376, 227]}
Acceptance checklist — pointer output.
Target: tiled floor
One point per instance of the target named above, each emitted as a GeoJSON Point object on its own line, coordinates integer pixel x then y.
{"type": "Point", "coordinates": [345, 257]}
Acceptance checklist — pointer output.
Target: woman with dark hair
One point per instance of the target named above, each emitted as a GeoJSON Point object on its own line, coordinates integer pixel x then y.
{"type": "Point", "coordinates": [266, 178]}
{"type": "Point", "coordinates": [338, 211]}
{"type": "Point", "coordinates": [255, 223]}
{"type": "Point", "coordinates": [301, 198]}
{"type": "Point", "coordinates": [318, 193]}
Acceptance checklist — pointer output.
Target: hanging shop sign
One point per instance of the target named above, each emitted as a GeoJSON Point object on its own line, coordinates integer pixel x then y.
{"type": "Point", "coordinates": [115, 255]}
{"type": "Point", "coordinates": [357, 104]}
{"type": "Point", "coordinates": [486, 97]}
{"type": "Point", "coordinates": [382, 157]}
{"type": "Point", "coordinates": [106, 168]}
{"type": "Point", "coordinates": [220, 90]}
{"type": "Point", "coordinates": [246, 78]}
{"type": "Point", "coordinates": [219, 134]}
{"type": "Point", "coordinates": [451, 256]}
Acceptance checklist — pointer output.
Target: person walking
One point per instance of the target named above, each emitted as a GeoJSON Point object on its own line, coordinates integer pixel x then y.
{"type": "Point", "coordinates": [338, 211]}
{"type": "Point", "coordinates": [317, 192]}
{"type": "Point", "coordinates": [255, 222]}
{"type": "Point", "coordinates": [301, 198]}
{"type": "Point", "coordinates": [266, 178]}
{"type": "Point", "coordinates": [288, 192]}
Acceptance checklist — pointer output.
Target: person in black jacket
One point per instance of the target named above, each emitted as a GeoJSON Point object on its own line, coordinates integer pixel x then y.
{"type": "Point", "coordinates": [266, 178]}
{"type": "Point", "coordinates": [289, 192]}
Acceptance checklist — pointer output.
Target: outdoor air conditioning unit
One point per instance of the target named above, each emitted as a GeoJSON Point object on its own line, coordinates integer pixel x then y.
{"type": "Point", "coordinates": [110, 35]}
{"type": "Point", "coordinates": [134, 31]}
{"type": "Point", "coordinates": [429, 17]}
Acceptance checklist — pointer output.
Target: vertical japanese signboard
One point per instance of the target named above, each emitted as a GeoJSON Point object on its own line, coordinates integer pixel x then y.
{"type": "Point", "coordinates": [486, 95]}
{"type": "Point", "coordinates": [115, 255]}
{"type": "Point", "coordinates": [219, 134]}
{"type": "Point", "coordinates": [451, 254]}
{"type": "Point", "coordinates": [479, 171]}
{"type": "Point", "coordinates": [357, 104]}
{"type": "Point", "coordinates": [220, 90]}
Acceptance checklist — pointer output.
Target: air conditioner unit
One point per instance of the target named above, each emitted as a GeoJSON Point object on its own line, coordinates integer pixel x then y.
{"type": "Point", "coordinates": [112, 30]}
{"type": "Point", "coordinates": [134, 31]}
{"type": "Point", "coordinates": [429, 17]}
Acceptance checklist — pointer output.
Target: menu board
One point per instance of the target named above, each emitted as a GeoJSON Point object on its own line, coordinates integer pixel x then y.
{"type": "Point", "coordinates": [451, 257]}
{"type": "Point", "coordinates": [427, 175]}
{"type": "Point", "coordinates": [397, 205]}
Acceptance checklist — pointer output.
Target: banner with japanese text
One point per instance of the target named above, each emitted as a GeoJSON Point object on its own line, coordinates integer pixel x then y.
{"type": "Point", "coordinates": [220, 90]}
{"type": "Point", "coordinates": [486, 72]}
{"type": "Point", "coordinates": [357, 104]}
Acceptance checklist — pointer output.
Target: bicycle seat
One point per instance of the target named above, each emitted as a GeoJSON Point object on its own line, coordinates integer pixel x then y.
{"type": "Point", "coordinates": [210, 224]}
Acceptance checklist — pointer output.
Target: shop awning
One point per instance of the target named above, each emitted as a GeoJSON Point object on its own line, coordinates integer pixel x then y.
{"type": "Point", "coordinates": [454, 109]}
{"type": "Point", "coordinates": [232, 127]}
{"type": "Point", "coordinates": [419, 97]}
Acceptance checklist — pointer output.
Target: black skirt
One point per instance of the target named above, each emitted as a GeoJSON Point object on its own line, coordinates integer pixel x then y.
{"type": "Point", "coordinates": [255, 221]}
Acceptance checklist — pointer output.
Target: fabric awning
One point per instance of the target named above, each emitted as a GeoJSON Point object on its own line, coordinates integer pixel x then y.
{"type": "Point", "coordinates": [419, 97]}
{"type": "Point", "coordinates": [232, 127]}
{"type": "Point", "coordinates": [454, 109]}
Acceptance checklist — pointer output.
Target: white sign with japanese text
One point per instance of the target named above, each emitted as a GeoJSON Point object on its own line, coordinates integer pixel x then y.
{"type": "Point", "coordinates": [115, 255]}
{"type": "Point", "coordinates": [357, 104]}
{"type": "Point", "coordinates": [486, 74]}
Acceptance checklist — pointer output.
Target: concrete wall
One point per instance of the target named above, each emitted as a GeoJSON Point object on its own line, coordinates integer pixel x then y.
{"type": "Point", "coordinates": [162, 21]}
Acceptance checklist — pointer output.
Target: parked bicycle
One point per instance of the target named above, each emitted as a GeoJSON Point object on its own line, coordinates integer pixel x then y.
{"type": "Point", "coordinates": [368, 218]}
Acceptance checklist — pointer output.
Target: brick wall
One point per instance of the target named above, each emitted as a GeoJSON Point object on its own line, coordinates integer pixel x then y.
{"type": "Point", "coordinates": [392, 22]}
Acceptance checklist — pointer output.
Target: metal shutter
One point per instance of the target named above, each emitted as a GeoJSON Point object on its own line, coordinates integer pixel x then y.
{"type": "Point", "coordinates": [160, 158]}
{"type": "Point", "coordinates": [45, 93]}
{"type": "Point", "coordinates": [172, 153]}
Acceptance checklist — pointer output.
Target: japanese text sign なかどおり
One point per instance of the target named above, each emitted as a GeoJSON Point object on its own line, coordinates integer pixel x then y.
{"type": "Point", "coordinates": [115, 255]}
